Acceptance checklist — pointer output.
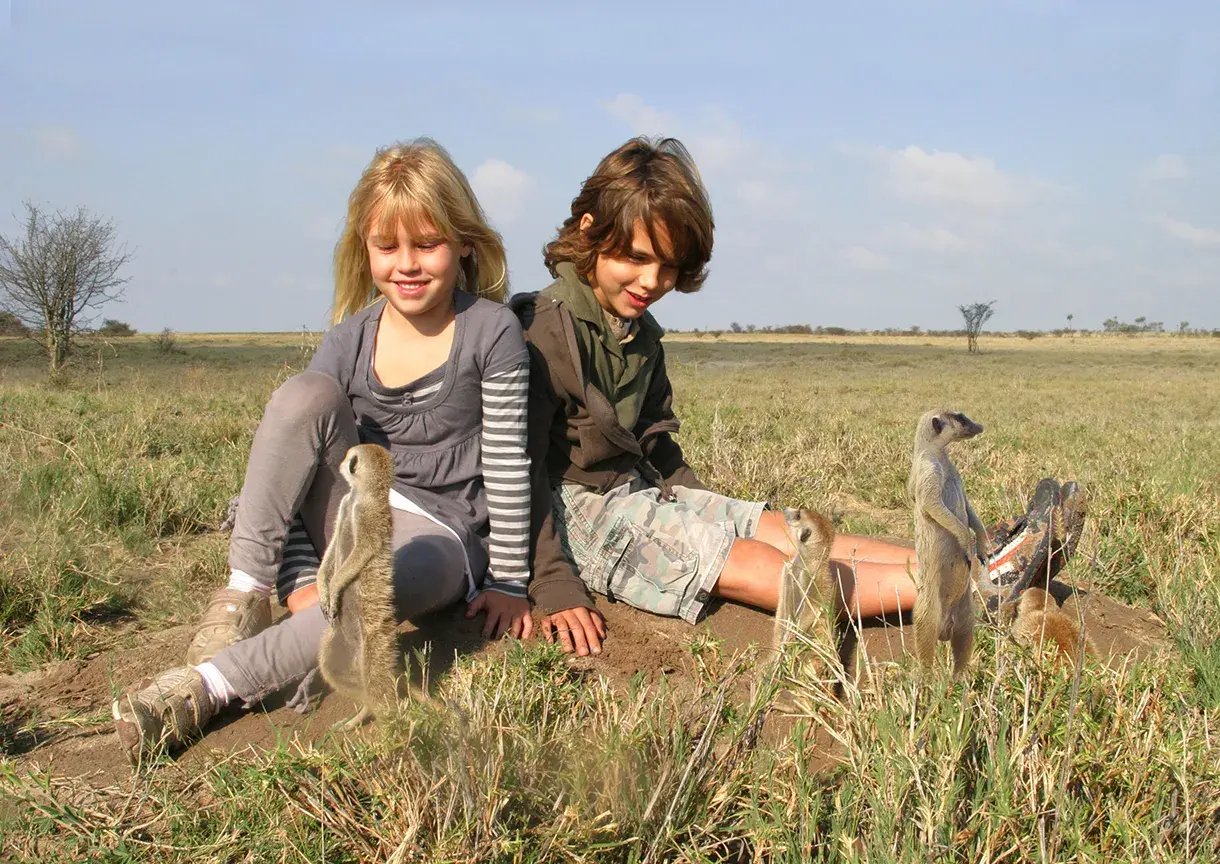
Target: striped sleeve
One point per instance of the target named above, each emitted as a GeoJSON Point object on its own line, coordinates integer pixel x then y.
{"type": "Point", "coordinates": [506, 470]}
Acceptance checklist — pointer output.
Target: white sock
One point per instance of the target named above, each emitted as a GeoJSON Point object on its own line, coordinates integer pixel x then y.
{"type": "Point", "coordinates": [239, 580]}
{"type": "Point", "coordinates": [216, 685]}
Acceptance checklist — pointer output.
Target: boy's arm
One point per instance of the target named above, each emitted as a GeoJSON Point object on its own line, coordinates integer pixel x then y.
{"type": "Point", "coordinates": [660, 449]}
{"type": "Point", "coordinates": [555, 586]}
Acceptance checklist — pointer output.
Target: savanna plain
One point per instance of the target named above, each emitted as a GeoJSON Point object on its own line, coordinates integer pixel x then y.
{"type": "Point", "coordinates": [114, 479]}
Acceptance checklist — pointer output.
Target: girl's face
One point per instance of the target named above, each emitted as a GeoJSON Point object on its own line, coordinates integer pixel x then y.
{"type": "Point", "coordinates": [627, 286]}
{"type": "Point", "coordinates": [416, 273]}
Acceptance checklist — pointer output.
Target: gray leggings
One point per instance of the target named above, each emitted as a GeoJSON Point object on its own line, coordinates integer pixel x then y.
{"type": "Point", "coordinates": [306, 429]}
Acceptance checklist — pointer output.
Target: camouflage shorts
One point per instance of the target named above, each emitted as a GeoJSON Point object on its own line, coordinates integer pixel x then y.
{"type": "Point", "coordinates": [660, 556]}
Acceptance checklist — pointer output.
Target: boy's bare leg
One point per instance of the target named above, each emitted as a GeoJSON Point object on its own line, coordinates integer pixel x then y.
{"type": "Point", "coordinates": [872, 574]}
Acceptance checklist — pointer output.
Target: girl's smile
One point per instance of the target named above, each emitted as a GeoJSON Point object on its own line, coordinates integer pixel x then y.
{"type": "Point", "coordinates": [415, 272]}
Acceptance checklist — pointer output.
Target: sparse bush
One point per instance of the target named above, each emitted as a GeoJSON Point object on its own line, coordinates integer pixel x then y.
{"type": "Point", "coordinates": [166, 342]}
{"type": "Point", "coordinates": [111, 327]}
{"type": "Point", "coordinates": [10, 325]}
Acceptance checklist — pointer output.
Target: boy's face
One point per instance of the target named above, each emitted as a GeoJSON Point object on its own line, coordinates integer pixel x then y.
{"type": "Point", "coordinates": [627, 286]}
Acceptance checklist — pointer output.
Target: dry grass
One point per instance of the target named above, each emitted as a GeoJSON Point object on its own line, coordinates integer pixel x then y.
{"type": "Point", "coordinates": [127, 469]}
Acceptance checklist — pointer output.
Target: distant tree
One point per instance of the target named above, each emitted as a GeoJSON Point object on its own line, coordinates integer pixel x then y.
{"type": "Point", "coordinates": [735, 327]}
{"type": "Point", "coordinates": [1183, 327]}
{"type": "Point", "coordinates": [1070, 317]}
{"type": "Point", "coordinates": [10, 325]}
{"type": "Point", "coordinates": [975, 315]}
{"type": "Point", "coordinates": [750, 328]}
{"type": "Point", "coordinates": [111, 327]}
{"type": "Point", "coordinates": [56, 271]}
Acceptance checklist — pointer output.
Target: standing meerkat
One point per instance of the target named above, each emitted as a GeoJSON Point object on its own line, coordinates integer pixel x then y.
{"type": "Point", "coordinates": [1040, 620]}
{"type": "Point", "coordinates": [359, 656]}
{"type": "Point", "coordinates": [805, 592]}
{"type": "Point", "coordinates": [949, 540]}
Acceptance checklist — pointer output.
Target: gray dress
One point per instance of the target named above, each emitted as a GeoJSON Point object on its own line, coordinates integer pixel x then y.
{"type": "Point", "coordinates": [308, 425]}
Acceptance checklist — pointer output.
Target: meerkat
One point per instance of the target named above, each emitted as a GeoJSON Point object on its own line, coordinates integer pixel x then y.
{"type": "Point", "coordinates": [805, 591]}
{"type": "Point", "coordinates": [950, 540]}
{"type": "Point", "coordinates": [359, 656]}
{"type": "Point", "coordinates": [1038, 619]}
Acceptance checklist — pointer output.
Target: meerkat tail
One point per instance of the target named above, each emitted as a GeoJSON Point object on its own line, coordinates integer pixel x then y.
{"type": "Point", "coordinates": [961, 638]}
{"type": "Point", "coordinates": [340, 662]}
{"type": "Point", "coordinates": [927, 614]}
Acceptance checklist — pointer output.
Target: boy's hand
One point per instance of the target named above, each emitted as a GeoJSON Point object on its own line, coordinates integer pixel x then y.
{"type": "Point", "coordinates": [581, 630]}
{"type": "Point", "coordinates": [505, 614]}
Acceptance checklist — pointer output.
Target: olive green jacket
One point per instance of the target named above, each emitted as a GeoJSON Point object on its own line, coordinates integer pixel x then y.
{"type": "Point", "coordinates": [575, 432]}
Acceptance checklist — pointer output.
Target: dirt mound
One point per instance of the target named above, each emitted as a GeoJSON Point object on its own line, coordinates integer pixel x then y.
{"type": "Point", "coordinates": [58, 718]}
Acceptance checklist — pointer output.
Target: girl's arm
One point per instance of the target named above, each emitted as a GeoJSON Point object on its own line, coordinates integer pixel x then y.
{"type": "Point", "coordinates": [506, 476]}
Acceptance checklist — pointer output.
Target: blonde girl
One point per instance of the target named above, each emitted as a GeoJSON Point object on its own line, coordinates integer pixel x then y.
{"type": "Point", "coordinates": [424, 359]}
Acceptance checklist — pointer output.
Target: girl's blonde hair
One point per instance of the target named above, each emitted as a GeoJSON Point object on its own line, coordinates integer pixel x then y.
{"type": "Point", "coordinates": [418, 186]}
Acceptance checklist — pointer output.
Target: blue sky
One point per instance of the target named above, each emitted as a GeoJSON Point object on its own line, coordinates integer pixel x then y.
{"type": "Point", "coordinates": [870, 165]}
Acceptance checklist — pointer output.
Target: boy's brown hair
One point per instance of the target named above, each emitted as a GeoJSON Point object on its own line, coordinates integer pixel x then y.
{"type": "Point", "coordinates": [654, 181]}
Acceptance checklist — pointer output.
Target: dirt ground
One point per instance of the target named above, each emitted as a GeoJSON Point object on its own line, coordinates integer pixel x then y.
{"type": "Point", "coordinates": [57, 718]}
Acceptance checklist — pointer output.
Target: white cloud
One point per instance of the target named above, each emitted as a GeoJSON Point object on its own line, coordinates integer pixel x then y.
{"type": "Point", "coordinates": [1193, 234]}
{"type": "Point", "coordinates": [863, 258]}
{"type": "Point", "coordinates": [930, 239]}
{"type": "Point", "coordinates": [1167, 166]}
{"type": "Point", "coordinates": [58, 143]}
{"type": "Point", "coordinates": [739, 171]}
{"type": "Point", "coordinates": [643, 119]}
{"type": "Point", "coordinates": [953, 178]}
{"type": "Point", "coordinates": [502, 189]}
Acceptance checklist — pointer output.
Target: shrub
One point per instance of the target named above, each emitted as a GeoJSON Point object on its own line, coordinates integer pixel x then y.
{"type": "Point", "coordinates": [166, 342]}
{"type": "Point", "coordinates": [111, 327]}
{"type": "Point", "coordinates": [10, 325]}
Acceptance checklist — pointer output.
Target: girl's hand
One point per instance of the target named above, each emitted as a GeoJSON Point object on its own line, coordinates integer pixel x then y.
{"type": "Point", "coordinates": [579, 629]}
{"type": "Point", "coordinates": [505, 614]}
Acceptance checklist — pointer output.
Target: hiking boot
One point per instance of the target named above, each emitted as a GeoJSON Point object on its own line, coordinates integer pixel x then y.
{"type": "Point", "coordinates": [1021, 548]}
{"type": "Point", "coordinates": [231, 616]}
{"type": "Point", "coordinates": [162, 714]}
{"type": "Point", "coordinates": [1073, 507]}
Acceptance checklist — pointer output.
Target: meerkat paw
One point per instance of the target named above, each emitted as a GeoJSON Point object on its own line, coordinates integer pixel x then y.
{"type": "Point", "coordinates": [330, 607]}
{"type": "Point", "coordinates": [364, 715]}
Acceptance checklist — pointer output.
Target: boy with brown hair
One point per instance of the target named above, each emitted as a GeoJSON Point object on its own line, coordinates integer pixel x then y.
{"type": "Point", "coordinates": [612, 492]}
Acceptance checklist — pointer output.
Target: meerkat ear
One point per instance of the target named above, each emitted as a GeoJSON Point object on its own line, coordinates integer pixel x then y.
{"type": "Point", "coordinates": [937, 425]}
{"type": "Point", "coordinates": [351, 465]}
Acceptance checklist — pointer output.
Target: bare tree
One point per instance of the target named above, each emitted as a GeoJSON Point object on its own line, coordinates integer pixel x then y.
{"type": "Point", "coordinates": [976, 315]}
{"type": "Point", "coordinates": [56, 271]}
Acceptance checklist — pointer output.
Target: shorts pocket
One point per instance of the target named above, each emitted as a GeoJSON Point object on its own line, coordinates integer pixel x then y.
{"type": "Point", "coordinates": [646, 571]}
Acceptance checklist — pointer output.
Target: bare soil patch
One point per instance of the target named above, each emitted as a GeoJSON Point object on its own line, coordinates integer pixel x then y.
{"type": "Point", "coordinates": [57, 718]}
